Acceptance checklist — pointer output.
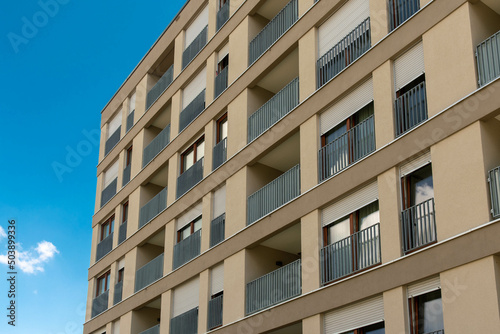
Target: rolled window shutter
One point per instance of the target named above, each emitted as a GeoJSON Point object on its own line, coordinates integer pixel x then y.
{"type": "Point", "coordinates": [223, 52]}
{"type": "Point", "coordinates": [217, 279]}
{"type": "Point", "coordinates": [409, 66]}
{"type": "Point", "coordinates": [194, 29]}
{"type": "Point", "coordinates": [116, 327]}
{"type": "Point", "coordinates": [115, 123]}
{"type": "Point", "coordinates": [131, 105]}
{"type": "Point", "coordinates": [186, 297]}
{"type": "Point", "coordinates": [422, 287]}
{"type": "Point", "coordinates": [121, 264]}
{"type": "Point", "coordinates": [415, 163]}
{"type": "Point", "coordinates": [110, 174]}
{"type": "Point", "coordinates": [219, 202]}
{"type": "Point", "coordinates": [198, 84]}
{"type": "Point", "coordinates": [189, 216]}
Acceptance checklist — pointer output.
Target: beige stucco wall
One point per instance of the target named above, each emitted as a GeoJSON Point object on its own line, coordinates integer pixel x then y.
{"type": "Point", "coordinates": [126, 323]}
{"type": "Point", "coordinates": [311, 243]}
{"type": "Point", "coordinates": [309, 146]}
{"type": "Point", "coordinates": [166, 305]}
{"type": "Point", "coordinates": [205, 222]}
{"type": "Point", "coordinates": [237, 123]}
{"type": "Point", "coordinates": [313, 325]}
{"type": "Point", "coordinates": [304, 6]}
{"type": "Point", "coordinates": [308, 46]}
{"type": "Point", "coordinates": [236, 213]}
{"type": "Point", "coordinates": [173, 165]}
{"type": "Point", "coordinates": [379, 22]}
{"type": "Point", "coordinates": [390, 210]}
{"type": "Point", "coordinates": [138, 144]}
{"type": "Point", "coordinates": [178, 50]}
{"type": "Point", "coordinates": [142, 90]}
{"type": "Point", "coordinates": [209, 147]}
{"type": "Point", "coordinates": [175, 114]}
{"type": "Point", "coordinates": [234, 286]}
{"type": "Point", "coordinates": [212, 17]}
{"type": "Point", "coordinates": [210, 89]}
{"type": "Point", "coordinates": [383, 101]}
{"type": "Point", "coordinates": [204, 297]}
{"type": "Point", "coordinates": [396, 310]}
{"type": "Point", "coordinates": [134, 207]}
{"type": "Point", "coordinates": [129, 273]}
{"type": "Point", "coordinates": [262, 260]}
{"type": "Point", "coordinates": [170, 239]}
{"type": "Point", "coordinates": [144, 318]}
{"type": "Point", "coordinates": [238, 49]}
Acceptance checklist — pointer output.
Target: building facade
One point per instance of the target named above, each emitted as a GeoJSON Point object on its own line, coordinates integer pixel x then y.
{"type": "Point", "coordinates": [301, 166]}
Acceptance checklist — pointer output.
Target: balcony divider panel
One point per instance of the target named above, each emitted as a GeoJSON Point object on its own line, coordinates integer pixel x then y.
{"type": "Point", "coordinates": [126, 175]}
{"type": "Point", "coordinates": [117, 296]}
{"type": "Point", "coordinates": [190, 178]}
{"type": "Point", "coordinates": [221, 82]}
{"type": "Point", "coordinates": [400, 11]}
{"type": "Point", "coordinates": [215, 312]}
{"type": "Point", "coordinates": [185, 323]}
{"type": "Point", "coordinates": [192, 110]}
{"type": "Point", "coordinates": [195, 47]}
{"type": "Point", "coordinates": [122, 232]}
{"type": "Point", "coordinates": [150, 272]}
{"type": "Point", "coordinates": [130, 120]}
{"type": "Point", "coordinates": [217, 228]}
{"type": "Point", "coordinates": [112, 141]}
{"type": "Point", "coordinates": [187, 249]}
{"type": "Point", "coordinates": [104, 247]}
{"type": "Point", "coordinates": [488, 59]}
{"type": "Point", "coordinates": [220, 154]}
{"type": "Point", "coordinates": [162, 85]}
{"type": "Point", "coordinates": [222, 15]}
{"type": "Point", "coordinates": [156, 146]}
{"type": "Point", "coordinates": [100, 303]}
{"type": "Point", "coordinates": [410, 109]}
{"type": "Point", "coordinates": [152, 208]}
{"type": "Point", "coordinates": [418, 225]}
{"type": "Point", "coordinates": [152, 330]}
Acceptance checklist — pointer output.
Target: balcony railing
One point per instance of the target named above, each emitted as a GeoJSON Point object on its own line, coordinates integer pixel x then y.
{"type": "Point", "coordinates": [130, 120]}
{"type": "Point", "coordinates": [350, 255]}
{"type": "Point", "coordinates": [192, 110]}
{"type": "Point", "coordinates": [185, 323]}
{"type": "Point", "coordinates": [122, 232]}
{"type": "Point", "coordinates": [419, 225]}
{"type": "Point", "coordinates": [488, 59]}
{"type": "Point", "coordinates": [410, 109]}
{"type": "Point", "coordinates": [220, 154]}
{"type": "Point", "coordinates": [494, 181]}
{"type": "Point", "coordinates": [152, 208]}
{"type": "Point", "coordinates": [221, 82]}
{"type": "Point", "coordinates": [126, 175]}
{"type": "Point", "coordinates": [100, 303]}
{"type": "Point", "coordinates": [104, 247]}
{"type": "Point", "coordinates": [274, 287]}
{"type": "Point", "coordinates": [217, 228]}
{"type": "Point", "coordinates": [441, 331]}
{"type": "Point", "coordinates": [194, 48]}
{"type": "Point", "coordinates": [215, 312]}
{"type": "Point", "coordinates": [158, 89]}
{"type": "Point", "coordinates": [350, 48]}
{"type": "Point", "coordinates": [190, 178]}
{"type": "Point", "coordinates": [274, 194]}
{"type": "Point", "coordinates": [117, 297]}
{"type": "Point", "coordinates": [152, 330]}
{"type": "Point", "coordinates": [273, 30]}
{"type": "Point", "coordinates": [112, 141]}
{"type": "Point", "coordinates": [222, 15]}
{"type": "Point", "coordinates": [345, 150]}
{"type": "Point", "coordinates": [108, 192]}
{"type": "Point", "coordinates": [149, 273]}
{"type": "Point", "coordinates": [273, 110]}
{"type": "Point", "coordinates": [187, 249]}
{"type": "Point", "coordinates": [156, 146]}
{"type": "Point", "coordinates": [401, 10]}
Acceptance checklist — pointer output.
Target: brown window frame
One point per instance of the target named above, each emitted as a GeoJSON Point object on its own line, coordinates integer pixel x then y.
{"type": "Point", "coordinates": [128, 159]}
{"type": "Point", "coordinates": [192, 148]}
{"type": "Point", "coordinates": [222, 64]}
{"type": "Point", "coordinates": [124, 212]}
{"type": "Point", "coordinates": [190, 225]}
{"type": "Point", "coordinates": [413, 310]}
{"type": "Point", "coordinates": [121, 272]}
{"type": "Point", "coordinates": [109, 225]}
{"type": "Point", "coordinates": [106, 277]}
{"type": "Point", "coordinates": [220, 122]}
{"type": "Point", "coordinates": [221, 3]}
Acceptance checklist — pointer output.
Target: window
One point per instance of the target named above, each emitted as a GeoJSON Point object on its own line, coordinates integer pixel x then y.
{"type": "Point", "coordinates": [378, 328]}
{"type": "Point", "coordinates": [223, 63]}
{"type": "Point", "coordinates": [121, 272]}
{"type": "Point", "coordinates": [189, 229]}
{"type": "Point", "coordinates": [426, 313]}
{"type": "Point", "coordinates": [221, 3]}
{"type": "Point", "coordinates": [103, 284]}
{"type": "Point", "coordinates": [344, 127]}
{"type": "Point", "coordinates": [107, 227]}
{"type": "Point", "coordinates": [128, 159]}
{"type": "Point", "coordinates": [417, 81]}
{"type": "Point", "coordinates": [417, 187]}
{"type": "Point", "coordinates": [193, 154]}
{"type": "Point", "coordinates": [221, 128]}
{"type": "Point", "coordinates": [125, 212]}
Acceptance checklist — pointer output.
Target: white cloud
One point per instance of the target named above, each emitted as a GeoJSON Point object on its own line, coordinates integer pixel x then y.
{"type": "Point", "coordinates": [32, 261]}
{"type": "Point", "coordinates": [2, 233]}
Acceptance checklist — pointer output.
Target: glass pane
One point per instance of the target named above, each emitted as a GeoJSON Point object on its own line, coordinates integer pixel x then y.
{"type": "Point", "coordinates": [197, 224]}
{"type": "Point", "coordinates": [200, 150]}
{"type": "Point", "coordinates": [335, 133]}
{"type": "Point", "coordinates": [339, 230]}
{"type": "Point", "coordinates": [186, 232]}
{"type": "Point", "coordinates": [430, 312]}
{"type": "Point", "coordinates": [368, 216]}
{"type": "Point", "coordinates": [422, 186]}
{"type": "Point", "coordinates": [223, 130]}
{"type": "Point", "coordinates": [105, 230]}
{"type": "Point", "coordinates": [188, 160]}
{"type": "Point", "coordinates": [112, 225]}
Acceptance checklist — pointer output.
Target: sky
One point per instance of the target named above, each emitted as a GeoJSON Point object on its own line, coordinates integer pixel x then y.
{"type": "Point", "coordinates": [61, 62]}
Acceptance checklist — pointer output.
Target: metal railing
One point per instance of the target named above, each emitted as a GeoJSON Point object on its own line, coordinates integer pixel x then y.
{"type": "Point", "coordinates": [220, 154]}
{"type": "Point", "coordinates": [192, 110]}
{"type": "Point", "coordinates": [274, 287]}
{"type": "Point", "coordinates": [152, 208]}
{"type": "Point", "coordinates": [156, 146]}
{"type": "Point", "coordinates": [149, 273]}
{"type": "Point", "coordinates": [126, 175]}
{"type": "Point", "coordinates": [273, 110]}
{"type": "Point", "coordinates": [274, 194]}
{"type": "Point", "coordinates": [345, 150]}
{"type": "Point", "coordinates": [494, 181]}
{"type": "Point", "coordinates": [104, 247]}
{"type": "Point", "coordinates": [185, 323]}
{"type": "Point", "coordinates": [217, 228]}
{"type": "Point", "coordinates": [400, 11]}
{"type": "Point", "coordinates": [273, 30]}
{"type": "Point", "coordinates": [130, 120]}
{"type": "Point", "coordinates": [109, 192]}
{"type": "Point", "coordinates": [190, 178]}
{"type": "Point", "coordinates": [418, 225]}
{"type": "Point", "coordinates": [122, 232]}
{"type": "Point", "coordinates": [488, 59]}
{"type": "Point", "coordinates": [441, 331]}
{"type": "Point", "coordinates": [162, 85]}
{"type": "Point", "coordinates": [350, 48]}
{"type": "Point", "coordinates": [215, 312]}
{"type": "Point", "coordinates": [410, 109]}
{"type": "Point", "coordinates": [194, 48]}
{"type": "Point", "coordinates": [117, 296]}
{"type": "Point", "coordinates": [222, 15]}
{"type": "Point", "coordinates": [352, 254]}
{"type": "Point", "coordinates": [100, 303]}
{"type": "Point", "coordinates": [152, 330]}
{"type": "Point", "coordinates": [221, 81]}
{"type": "Point", "coordinates": [112, 141]}
{"type": "Point", "coordinates": [187, 249]}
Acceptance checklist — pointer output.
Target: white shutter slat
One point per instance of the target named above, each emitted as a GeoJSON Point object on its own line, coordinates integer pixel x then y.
{"type": "Point", "coordinates": [350, 203]}
{"type": "Point", "coordinates": [424, 286]}
{"type": "Point", "coordinates": [186, 297]}
{"type": "Point", "coordinates": [224, 51]}
{"type": "Point", "coordinates": [115, 123]}
{"type": "Point", "coordinates": [110, 174]}
{"type": "Point", "coordinates": [116, 327]}
{"type": "Point", "coordinates": [409, 66]}
{"type": "Point", "coordinates": [194, 88]}
{"type": "Point", "coordinates": [417, 162]}
{"type": "Point", "coordinates": [347, 106]}
{"type": "Point", "coordinates": [342, 22]}
{"type": "Point", "coordinates": [219, 202]}
{"type": "Point", "coordinates": [121, 264]}
{"type": "Point", "coordinates": [194, 29]}
{"type": "Point", "coordinates": [189, 216]}
{"type": "Point", "coordinates": [364, 313]}
{"type": "Point", "coordinates": [131, 105]}
{"type": "Point", "coordinates": [217, 279]}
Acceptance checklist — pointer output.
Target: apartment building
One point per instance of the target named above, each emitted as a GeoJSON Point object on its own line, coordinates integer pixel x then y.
{"type": "Point", "coordinates": [301, 166]}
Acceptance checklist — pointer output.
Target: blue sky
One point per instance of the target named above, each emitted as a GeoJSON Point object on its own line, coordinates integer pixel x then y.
{"type": "Point", "coordinates": [60, 66]}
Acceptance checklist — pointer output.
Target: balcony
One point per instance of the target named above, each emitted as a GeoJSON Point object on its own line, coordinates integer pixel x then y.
{"type": "Point", "coordinates": [130, 120]}
{"type": "Point", "coordinates": [104, 247]}
{"type": "Point", "coordinates": [273, 195]}
{"type": "Point", "coordinates": [149, 273]}
{"type": "Point", "coordinates": [494, 181]}
{"type": "Point", "coordinates": [221, 82]}
{"type": "Point", "coordinates": [488, 59]}
{"type": "Point", "coordinates": [217, 228]}
{"type": "Point", "coordinates": [187, 249]}
{"type": "Point", "coordinates": [410, 109]}
{"type": "Point", "coordinates": [185, 323]}
{"type": "Point", "coordinates": [220, 154]}
{"type": "Point", "coordinates": [112, 141]}
{"type": "Point", "coordinates": [100, 303]}
{"type": "Point", "coordinates": [190, 178]}
{"type": "Point", "coordinates": [273, 30]}
{"type": "Point", "coordinates": [122, 232]}
{"type": "Point", "coordinates": [215, 312]}
{"type": "Point", "coordinates": [117, 297]}
{"type": "Point", "coordinates": [152, 330]}
{"type": "Point", "coordinates": [192, 111]}
{"type": "Point", "coordinates": [273, 110]}
{"type": "Point", "coordinates": [156, 205]}
{"type": "Point", "coordinates": [108, 192]}
{"type": "Point", "coordinates": [126, 175]}
{"type": "Point", "coordinates": [156, 146]}
{"type": "Point", "coordinates": [345, 150]}
{"type": "Point", "coordinates": [418, 226]}
{"type": "Point", "coordinates": [358, 251]}
{"type": "Point", "coordinates": [162, 85]}
{"type": "Point", "coordinates": [274, 287]}
{"type": "Point", "coordinates": [196, 45]}
{"type": "Point", "coordinates": [222, 15]}
{"type": "Point", "coordinates": [350, 48]}
{"type": "Point", "coordinates": [401, 10]}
